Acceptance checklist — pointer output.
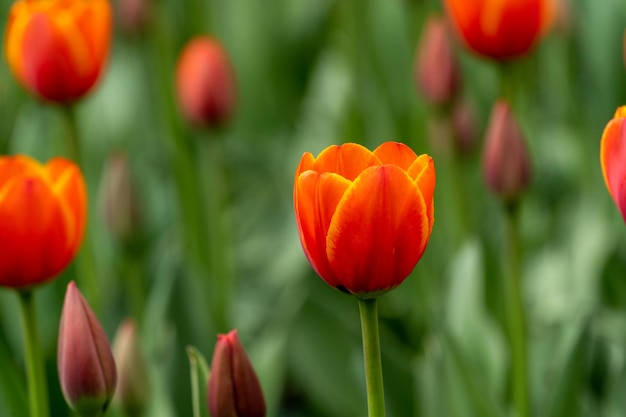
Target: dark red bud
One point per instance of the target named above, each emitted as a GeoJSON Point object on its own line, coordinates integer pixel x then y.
{"type": "Point", "coordinates": [234, 389]}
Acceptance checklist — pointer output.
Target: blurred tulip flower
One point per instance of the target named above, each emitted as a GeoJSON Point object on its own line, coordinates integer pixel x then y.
{"type": "Point", "coordinates": [506, 164]}
{"type": "Point", "coordinates": [133, 388]}
{"type": "Point", "coordinates": [57, 48]}
{"type": "Point", "coordinates": [499, 29]}
{"type": "Point", "coordinates": [132, 15]}
{"type": "Point", "coordinates": [612, 156]}
{"type": "Point", "coordinates": [436, 68]}
{"type": "Point", "coordinates": [42, 219]}
{"type": "Point", "coordinates": [119, 204]}
{"type": "Point", "coordinates": [234, 389]}
{"type": "Point", "coordinates": [85, 362]}
{"type": "Point", "coordinates": [205, 82]}
{"type": "Point", "coordinates": [364, 217]}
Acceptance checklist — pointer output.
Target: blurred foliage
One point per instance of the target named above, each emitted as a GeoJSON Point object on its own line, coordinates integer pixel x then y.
{"type": "Point", "coordinates": [311, 74]}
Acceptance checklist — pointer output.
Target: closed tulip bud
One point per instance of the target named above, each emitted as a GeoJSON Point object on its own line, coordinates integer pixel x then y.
{"type": "Point", "coordinates": [118, 198]}
{"type": "Point", "coordinates": [57, 48]}
{"type": "Point", "coordinates": [234, 389]}
{"type": "Point", "coordinates": [42, 219]}
{"type": "Point", "coordinates": [205, 83]}
{"type": "Point", "coordinates": [612, 157]}
{"type": "Point", "coordinates": [364, 217]}
{"type": "Point", "coordinates": [498, 29]}
{"type": "Point", "coordinates": [464, 126]}
{"type": "Point", "coordinates": [85, 362]}
{"type": "Point", "coordinates": [506, 164]}
{"type": "Point", "coordinates": [133, 388]}
{"type": "Point", "coordinates": [132, 15]}
{"type": "Point", "coordinates": [436, 68]}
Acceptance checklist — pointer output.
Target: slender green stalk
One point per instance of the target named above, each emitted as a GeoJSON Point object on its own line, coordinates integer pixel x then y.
{"type": "Point", "coordinates": [37, 388]}
{"type": "Point", "coordinates": [371, 353]}
{"type": "Point", "coordinates": [72, 140]}
{"type": "Point", "coordinates": [515, 316]}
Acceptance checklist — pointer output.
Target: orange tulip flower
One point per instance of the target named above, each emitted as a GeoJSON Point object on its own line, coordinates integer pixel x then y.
{"type": "Point", "coordinates": [612, 156]}
{"type": "Point", "coordinates": [499, 29]}
{"type": "Point", "coordinates": [42, 219]}
{"type": "Point", "coordinates": [205, 82]}
{"type": "Point", "coordinates": [364, 217]}
{"type": "Point", "coordinates": [57, 48]}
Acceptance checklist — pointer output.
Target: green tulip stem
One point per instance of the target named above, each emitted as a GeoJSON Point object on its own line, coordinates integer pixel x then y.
{"type": "Point", "coordinates": [515, 316]}
{"type": "Point", "coordinates": [37, 389]}
{"type": "Point", "coordinates": [372, 359]}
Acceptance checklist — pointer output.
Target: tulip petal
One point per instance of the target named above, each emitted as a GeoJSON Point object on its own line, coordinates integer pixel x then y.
{"type": "Point", "coordinates": [395, 153]}
{"type": "Point", "coordinates": [612, 153]}
{"type": "Point", "coordinates": [34, 240]}
{"type": "Point", "coordinates": [306, 163]}
{"type": "Point", "coordinates": [423, 170]}
{"type": "Point", "coordinates": [316, 197]}
{"type": "Point", "coordinates": [347, 160]}
{"type": "Point", "coordinates": [69, 185]}
{"type": "Point", "coordinates": [379, 231]}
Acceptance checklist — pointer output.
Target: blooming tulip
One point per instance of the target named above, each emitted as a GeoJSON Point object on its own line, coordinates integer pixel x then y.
{"type": "Point", "coordinates": [205, 82]}
{"type": "Point", "coordinates": [436, 68]}
{"type": "Point", "coordinates": [57, 48]}
{"type": "Point", "coordinates": [364, 217]}
{"type": "Point", "coordinates": [506, 163]}
{"type": "Point", "coordinates": [42, 219]}
{"type": "Point", "coordinates": [234, 389]}
{"type": "Point", "coordinates": [499, 29]}
{"type": "Point", "coordinates": [86, 366]}
{"type": "Point", "coordinates": [612, 156]}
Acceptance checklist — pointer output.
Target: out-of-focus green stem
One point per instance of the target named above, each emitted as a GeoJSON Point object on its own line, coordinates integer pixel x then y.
{"type": "Point", "coordinates": [86, 269]}
{"type": "Point", "coordinates": [372, 357]}
{"type": "Point", "coordinates": [515, 315]}
{"type": "Point", "coordinates": [37, 388]}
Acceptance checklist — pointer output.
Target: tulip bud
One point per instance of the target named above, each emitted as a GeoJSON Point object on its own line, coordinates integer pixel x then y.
{"type": "Point", "coordinates": [205, 83]}
{"type": "Point", "coordinates": [132, 15]}
{"type": "Point", "coordinates": [436, 68]}
{"type": "Point", "coordinates": [86, 367]}
{"type": "Point", "coordinates": [118, 197]}
{"type": "Point", "coordinates": [234, 390]}
{"type": "Point", "coordinates": [464, 126]}
{"type": "Point", "coordinates": [506, 164]}
{"type": "Point", "coordinates": [612, 155]}
{"type": "Point", "coordinates": [133, 388]}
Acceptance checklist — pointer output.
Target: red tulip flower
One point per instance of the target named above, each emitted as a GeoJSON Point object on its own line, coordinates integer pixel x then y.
{"type": "Point", "coordinates": [205, 82]}
{"type": "Point", "coordinates": [364, 217]}
{"type": "Point", "coordinates": [42, 219]}
{"type": "Point", "coordinates": [57, 48]}
{"type": "Point", "coordinates": [499, 29]}
{"type": "Point", "coordinates": [612, 157]}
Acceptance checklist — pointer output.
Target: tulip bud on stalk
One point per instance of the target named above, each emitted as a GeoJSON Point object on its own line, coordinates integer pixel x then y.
{"type": "Point", "coordinates": [234, 389]}
{"type": "Point", "coordinates": [506, 164]}
{"type": "Point", "coordinates": [205, 83]}
{"type": "Point", "coordinates": [87, 371]}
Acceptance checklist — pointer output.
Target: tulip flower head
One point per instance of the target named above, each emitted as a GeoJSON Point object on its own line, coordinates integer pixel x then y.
{"type": "Point", "coordinates": [506, 164]}
{"type": "Point", "coordinates": [364, 217]}
{"type": "Point", "coordinates": [612, 157]}
{"type": "Point", "coordinates": [57, 48]}
{"type": "Point", "coordinates": [436, 68]}
{"type": "Point", "coordinates": [42, 219]}
{"type": "Point", "coordinates": [85, 362]}
{"type": "Point", "coordinates": [498, 29]}
{"type": "Point", "coordinates": [205, 83]}
{"type": "Point", "coordinates": [234, 389]}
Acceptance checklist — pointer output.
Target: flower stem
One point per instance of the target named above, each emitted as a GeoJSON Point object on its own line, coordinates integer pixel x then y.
{"type": "Point", "coordinates": [37, 389]}
{"type": "Point", "coordinates": [371, 353]}
{"type": "Point", "coordinates": [516, 319]}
